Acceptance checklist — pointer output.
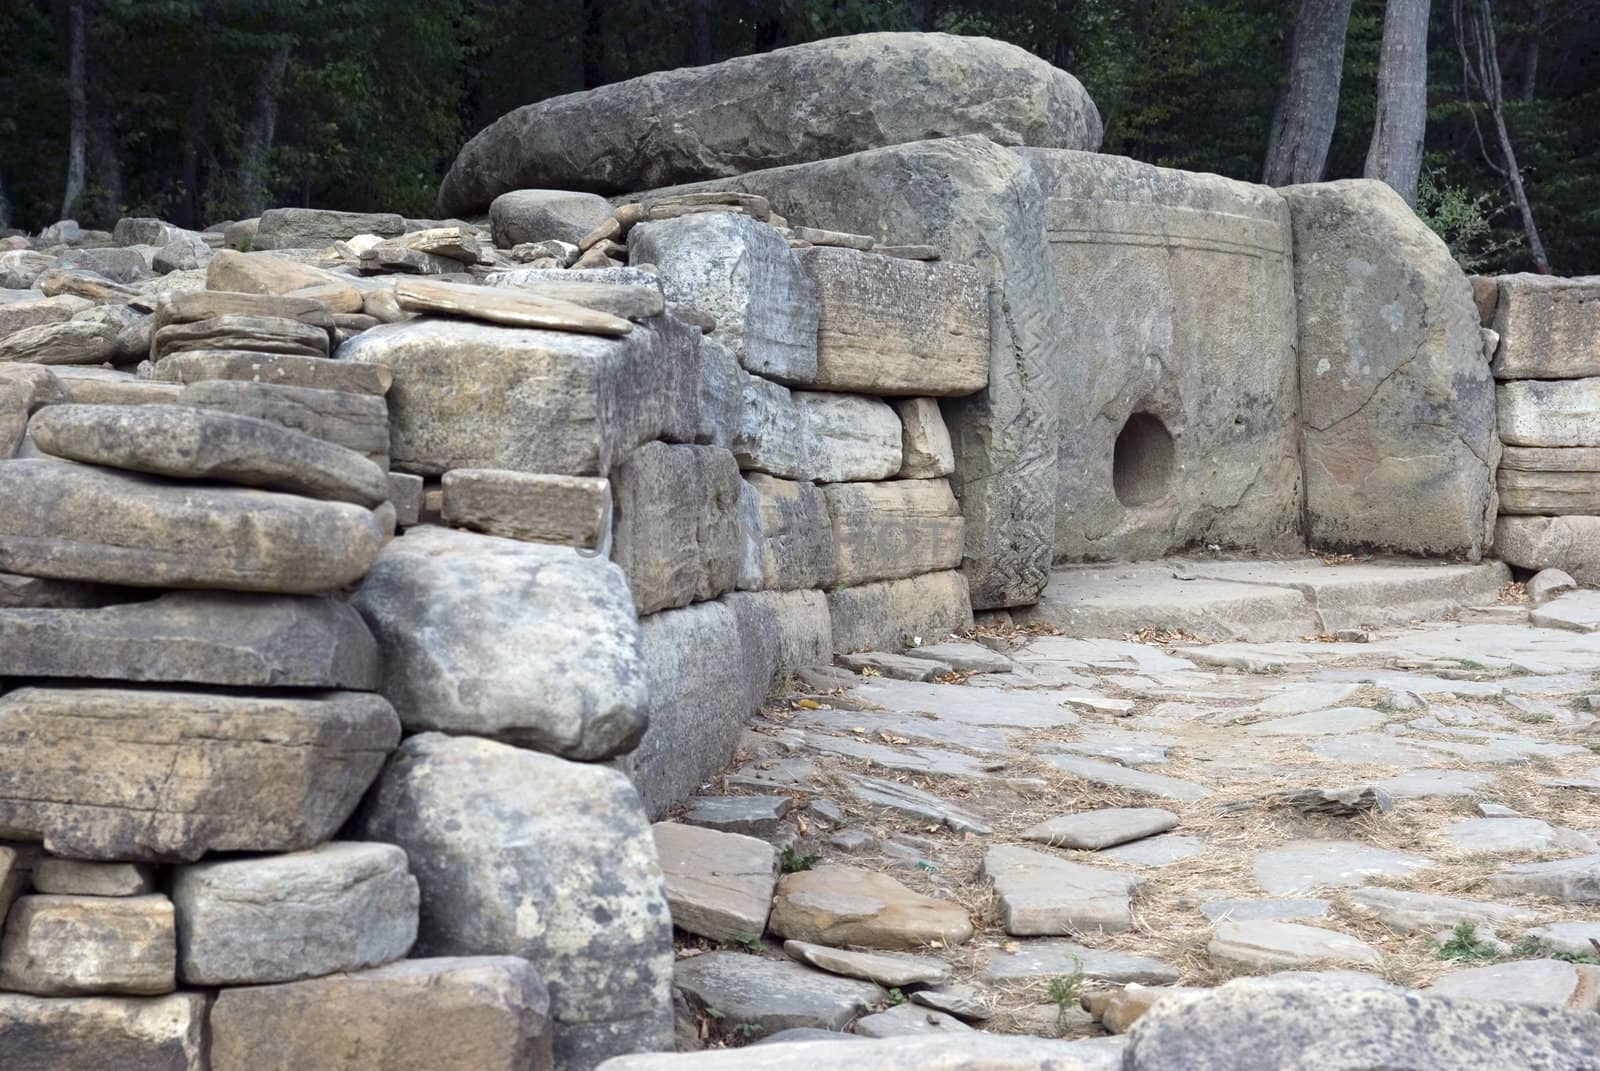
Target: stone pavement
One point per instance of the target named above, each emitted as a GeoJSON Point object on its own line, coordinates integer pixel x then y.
{"type": "Point", "coordinates": [1419, 802]}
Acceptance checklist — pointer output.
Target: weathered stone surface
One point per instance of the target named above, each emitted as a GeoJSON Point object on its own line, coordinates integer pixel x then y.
{"type": "Point", "coordinates": [1548, 493]}
{"type": "Point", "coordinates": [465, 1013]}
{"type": "Point", "coordinates": [893, 326]}
{"type": "Point", "coordinates": [301, 228]}
{"type": "Point", "coordinates": [1115, 775]}
{"type": "Point", "coordinates": [975, 1051]}
{"type": "Point", "coordinates": [1307, 865]}
{"type": "Point", "coordinates": [539, 215]}
{"type": "Point", "coordinates": [108, 773]}
{"type": "Point", "coordinates": [757, 996]}
{"type": "Point", "coordinates": [1042, 894]}
{"type": "Point", "coordinates": [100, 1033]}
{"type": "Point", "coordinates": [207, 304]}
{"type": "Point", "coordinates": [317, 373]}
{"type": "Point", "coordinates": [893, 529]}
{"type": "Point", "coordinates": [204, 444]}
{"type": "Point", "coordinates": [518, 853]}
{"type": "Point", "coordinates": [241, 331]}
{"type": "Point", "coordinates": [1253, 1025]}
{"type": "Point", "coordinates": [1106, 828]}
{"type": "Point", "coordinates": [1512, 835]}
{"type": "Point", "coordinates": [843, 905]}
{"type": "Point", "coordinates": [29, 592]}
{"type": "Point", "coordinates": [904, 1020]}
{"type": "Point", "coordinates": [769, 429]}
{"type": "Point", "coordinates": [719, 885]}
{"type": "Point", "coordinates": [20, 267]}
{"type": "Point", "coordinates": [1267, 945]}
{"type": "Point", "coordinates": [358, 422]}
{"type": "Point", "coordinates": [891, 969]}
{"type": "Point", "coordinates": [1571, 544]}
{"type": "Point", "coordinates": [1573, 938]}
{"type": "Point", "coordinates": [16, 315]}
{"type": "Point", "coordinates": [279, 918]}
{"type": "Point", "coordinates": [1396, 401]}
{"type": "Point", "coordinates": [70, 342]}
{"type": "Point", "coordinates": [840, 96]}
{"type": "Point", "coordinates": [208, 637]}
{"type": "Point", "coordinates": [1550, 413]}
{"type": "Point", "coordinates": [118, 265]}
{"type": "Point", "coordinates": [1573, 881]}
{"type": "Point", "coordinates": [707, 668]}
{"type": "Point", "coordinates": [796, 534]}
{"type": "Point", "coordinates": [267, 273]}
{"type": "Point", "coordinates": [1550, 983]}
{"type": "Point", "coordinates": [1549, 327]}
{"type": "Point", "coordinates": [63, 946]}
{"type": "Point", "coordinates": [896, 666]}
{"type": "Point", "coordinates": [676, 523]}
{"type": "Point", "coordinates": [796, 622]}
{"type": "Point", "coordinates": [464, 394]}
{"type": "Point", "coordinates": [753, 816]}
{"type": "Point", "coordinates": [849, 437]}
{"type": "Point", "coordinates": [882, 615]}
{"type": "Point", "coordinates": [1044, 959]}
{"type": "Point", "coordinates": [74, 877]}
{"type": "Point", "coordinates": [625, 292]}
{"type": "Point", "coordinates": [74, 522]}
{"type": "Point", "coordinates": [925, 451]}
{"type": "Point", "coordinates": [559, 671]}
{"type": "Point", "coordinates": [405, 494]}
{"type": "Point", "coordinates": [510, 307]}
{"type": "Point", "coordinates": [743, 273]}
{"type": "Point", "coordinates": [573, 511]}
{"type": "Point", "coordinates": [1412, 912]}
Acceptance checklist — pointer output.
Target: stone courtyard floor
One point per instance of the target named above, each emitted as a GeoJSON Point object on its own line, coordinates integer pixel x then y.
{"type": "Point", "coordinates": [1306, 804]}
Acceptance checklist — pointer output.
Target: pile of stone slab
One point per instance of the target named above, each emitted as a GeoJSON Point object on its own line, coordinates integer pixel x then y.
{"type": "Point", "coordinates": [1543, 334]}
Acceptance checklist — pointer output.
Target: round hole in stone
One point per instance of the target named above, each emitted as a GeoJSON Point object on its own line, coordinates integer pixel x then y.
{"type": "Point", "coordinates": [1141, 461]}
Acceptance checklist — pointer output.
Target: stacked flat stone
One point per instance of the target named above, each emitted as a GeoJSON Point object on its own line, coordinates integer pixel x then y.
{"type": "Point", "coordinates": [1543, 335]}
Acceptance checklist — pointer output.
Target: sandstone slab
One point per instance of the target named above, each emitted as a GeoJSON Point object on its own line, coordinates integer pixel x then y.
{"type": "Point", "coordinates": [561, 669]}
{"type": "Point", "coordinates": [796, 534]}
{"type": "Point", "coordinates": [277, 369]}
{"type": "Point", "coordinates": [925, 450]}
{"type": "Point", "coordinates": [893, 529]}
{"type": "Point", "coordinates": [1548, 327]}
{"type": "Point", "coordinates": [769, 429]}
{"type": "Point", "coordinates": [358, 422]}
{"type": "Point", "coordinates": [849, 437]}
{"type": "Point", "coordinates": [63, 946]}
{"type": "Point", "coordinates": [241, 331]}
{"type": "Point", "coordinates": [97, 1033]}
{"type": "Point", "coordinates": [1306, 865]}
{"type": "Point", "coordinates": [719, 885]}
{"type": "Point", "coordinates": [1573, 881]}
{"type": "Point", "coordinates": [118, 774]}
{"type": "Point", "coordinates": [755, 996]}
{"type": "Point", "coordinates": [1266, 945]}
{"type": "Point", "coordinates": [907, 1020]}
{"type": "Point", "coordinates": [1057, 958]}
{"type": "Point", "coordinates": [338, 907]}
{"type": "Point", "coordinates": [886, 614]}
{"type": "Point", "coordinates": [1105, 828]}
{"type": "Point", "coordinates": [73, 522]}
{"type": "Point", "coordinates": [1548, 493]}
{"type": "Point", "coordinates": [677, 537]}
{"type": "Point", "coordinates": [1550, 983]}
{"type": "Point", "coordinates": [573, 511]}
{"type": "Point", "coordinates": [1044, 895]}
{"type": "Point", "coordinates": [1412, 912]}
{"type": "Point", "coordinates": [840, 905]}
{"type": "Point", "coordinates": [74, 877]}
{"type": "Point", "coordinates": [518, 853]}
{"type": "Point", "coordinates": [299, 228]}
{"type": "Point", "coordinates": [461, 1013]}
{"type": "Point", "coordinates": [1549, 413]}
{"type": "Point", "coordinates": [889, 969]}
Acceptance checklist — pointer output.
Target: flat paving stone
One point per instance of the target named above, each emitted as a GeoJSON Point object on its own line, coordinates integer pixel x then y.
{"type": "Point", "coordinates": [897, 667]}
{"type": "Point", "coordinates": [964, 1001]}
{"type": "Point", "coordinates": [756, 996]}
{"type": "Point", "coordinates": [1424, 784]}
{"type": "Point", "coordinates": [754, 816]}
{"type": "Point", "coordinates": [1104, 828]}
{"type": "Point", "coordinates": [1571, 938]}
{"type": "Point", "coordinates": [1321, 722]}
{"type": "Point", "coordinates": [1043, 894]}
{"type": "Point", "coordinates": [1268, 910]}
{"type": "Point", "coordinates": [964, 657]}
{"type": "Point", "coordinates": [1309, 865]}
{"type": "Point", "coordinates": [925, 760]}
{"type": "Point", "coordinates": [1414, 912]}
{"type": "Point", "coordinates": [1159, 851]}
{"type": "Point", "coordinates": [719, 885]}
{"type": "Point", "coordinates": [872, 724]}
{"type": "Point", "coordinates": [1548, 983]}
{"type": "Point", "coordinates": [908, 800]}
{"type": "Point", "coordinates": [1114, 776]}
{"type": "Point", "coordinates": [1573, 881]}
{"type": "Point", "coordinates": [1268, 945]}
{"type": "Point", "coordinates": [1049, 959]}
{"type": "Point", "coordinates": [847, 905]}
{"type": "Point", "coordinates": [1577, 611]}
{"type": "Point", "coordinates": [1508, 836]}
{"type": "Point", "coordinates": [1373, 749]}
{"type": "Point", "coordinates": [889, 969]}
{"type": "Point", "coordinates": [1016, 710]}
{"type": "Point", "coordinates": [1125, 748]}
{"type": "Point", "coordinates": [909, 1020]}
{"type": "Point", "coordinates": [1306, 696]}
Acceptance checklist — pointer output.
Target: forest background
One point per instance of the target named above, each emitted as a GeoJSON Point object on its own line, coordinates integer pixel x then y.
{"type": "Point", "coordinates": [198, 111]}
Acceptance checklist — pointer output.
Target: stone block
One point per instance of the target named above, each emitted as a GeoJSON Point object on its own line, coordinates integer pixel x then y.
{"type": "Point", "coordinates": [839, 96]}
{"type": "Point", "coordinates": [1397, 404]}
{"type": "Point", "coordinates": [751, 541]}
{"type": "Point", "coordinates": [74, 877]}
{"type": "Point", "coordinates": [893, 529]}
{"type": "Point", "coordinates": [743, 273]}
{"type": "Point", "coordinates": [799, 620]}
{"type": "Point", "coordinates": [1549, 327]}
{"type": "Point", "coordinates": [65, 946]}
{"type": "Point", "coordinates": [76, 522]}
{"type": "Point", "coordinates": [358, 422]}
{"type": "Point", "coordinates": [797, 548]}
{"type": "Point", "coordinates": [519, 216]}
{"type": "Point", "coordinates": [155, 775]}
{"type": "Point", "coordinates": [722, 385]}
{"type": "Point", "coordinates": [892, 326]}
{"type": "Point", "coordinates": [559, 671]}
{"type": "Point", "coordinates": [451, 1013]}
{"type": "Point", "coordinates": [1550, 413]}
{"type": "Point", "coordinates": [925, 451]}
{"type": "Point", "coordinates": [574, 511]}
{"type": "Point", "coordinates": [518, 853]}
{"type": "Point", "coordinates": [405, 492]}
{"type": "Point", "coordinates": [882, 615]}
{"type": "Point", "coordinates": [845, 905]}
{"type": "Point", "coordinates": [1548, 493]}
{"type": "Point", "coordinates": [719, 885]}
{"type": "Point", "coordinates": [769, 430]}
{"type": "Point", "coordinates": [465, 394]}
{"type": "Point", "coordinates": [1571, 544]}
{"type": "Point", "coordinates": [289, 370]}
{"type": "Point", "coordinates": [100, 1033]}
{"type": "Point", "coordinates": [305, 228]}
{"type": "Point", "coordinates": [849, 437]}
{"type": "Point", "coordinates": [676, 524]}
{"type": "Point", "coordinates": [280, 918]}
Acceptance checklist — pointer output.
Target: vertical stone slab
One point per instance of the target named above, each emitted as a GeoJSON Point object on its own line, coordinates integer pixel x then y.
{"type": "Point", "coordinates": [1396, 399]}
{"type": "Point", "coordinates": [978, 204]}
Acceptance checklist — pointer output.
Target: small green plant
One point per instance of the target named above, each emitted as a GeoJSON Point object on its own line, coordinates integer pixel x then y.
{"type": "Point", "coordinates": [1467, 663]}
{"type": "Point", "coordinates": [1459, 216]}
{"type": "Point", "coordinates": [794, 861]}
{"type": "Point", "coordinates": [896, 996]}
{"type": "Point", "coordinates": [750, 942]}
{"type": "Point", "coordinates": [1064, 990]}
{"type": "Point", "coordinates": [1465, 945]}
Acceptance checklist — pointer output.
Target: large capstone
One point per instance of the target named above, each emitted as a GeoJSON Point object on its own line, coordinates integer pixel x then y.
{"type": "Point", "coordinates": [837, 96]}
{"type": "Point", "coordinates": [519, 853]}
{"type": "Point", "coordinates": [118, 773]}
{"type": "Point", "coordinates": [559, 670]}
{"type": "Point", "coordinates": [1397, 404]}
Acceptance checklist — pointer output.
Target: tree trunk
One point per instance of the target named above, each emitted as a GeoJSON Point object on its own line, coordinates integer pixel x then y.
{"type": "Point", "coordinates": [194, 131]}
{"type": "Point", "coordinates": [105, 164]}
{"type": "Point", "coordinates": [1395, 155]}
{"type": "Point", "coordinates": [5, 208]}
{"type": "Point", "coordinates": [77, 109]}
{"type": "Point", "coordinates": [594, 43]}
{"type": "Point", "coordinates": [1480, 66]}
{"type": "Point", "coordinates": [259, 129]}
{"type": "Point", "coordinates": [699, 52]}
{"type": "Point", "coordinates": [1308, 105]}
